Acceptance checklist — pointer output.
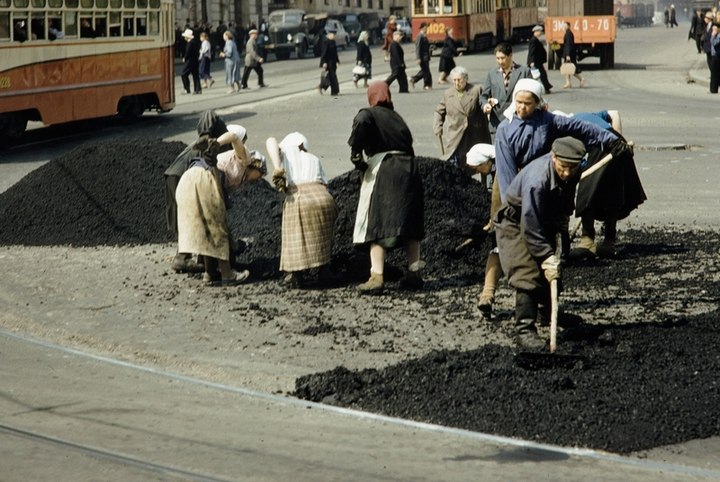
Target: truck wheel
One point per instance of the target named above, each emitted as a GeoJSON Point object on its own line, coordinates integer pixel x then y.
{"type": "Point", "coordinates": [551, 59]}
{"type": "Point", "coordinates": [300, 50]}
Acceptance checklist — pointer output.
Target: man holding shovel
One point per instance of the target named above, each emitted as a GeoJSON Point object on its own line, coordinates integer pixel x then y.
{"type": "Point", "coordinates": [538, 200]}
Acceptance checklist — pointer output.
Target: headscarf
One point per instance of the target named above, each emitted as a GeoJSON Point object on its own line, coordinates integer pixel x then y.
{"type": "Point", "coordinates": [480, 154]}
{"type": "Point", "coordinates": [379, 95]}
{"type": "Point", "coordinates": [290, 146]}
{"type": "Point", "coordinates": [525, 85]}
{"type": "Point", "coordinates": [238, 130]}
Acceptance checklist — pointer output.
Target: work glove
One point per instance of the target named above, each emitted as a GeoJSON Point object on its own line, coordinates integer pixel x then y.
{"type": "Point", "coordinates": [619, 148]}
{"type": "Point", "coordinates": [551, 268]}
{"type": "Point", "coordinates": [279, 180]}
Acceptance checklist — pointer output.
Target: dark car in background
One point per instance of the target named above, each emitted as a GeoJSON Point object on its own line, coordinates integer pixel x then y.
{"type": "Point", "coordinates": [370, 21]}
{"type": "Point", "coordinates": [319, 24]}
{"type": "Point", "coordinates": [288, 32]}
{"type": "Point", "coordinates": [351, 22]}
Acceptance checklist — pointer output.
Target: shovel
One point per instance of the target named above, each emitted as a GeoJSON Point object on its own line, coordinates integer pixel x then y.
{"type": "Point", "coordinates": [442, 146]}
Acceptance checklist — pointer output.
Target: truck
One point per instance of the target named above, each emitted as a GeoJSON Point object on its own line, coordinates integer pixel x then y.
{"type": "Point", "coordinates": [592, 22]}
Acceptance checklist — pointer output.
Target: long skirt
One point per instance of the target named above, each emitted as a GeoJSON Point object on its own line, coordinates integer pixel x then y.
{"type": "Point", "coordinates": [202, 226]}
{"type": "Point", "coordinates": [611, 192]}
{"type": "Point", "coordinates": [308, 224]}
{"type": "Point", "coordinates": [391, 206]}
{"type": "Point", "coordinates": [232, 71]}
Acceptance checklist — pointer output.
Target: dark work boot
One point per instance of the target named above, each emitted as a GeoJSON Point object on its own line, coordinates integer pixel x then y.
{"type": "Point", "coordinates": [526, 335]}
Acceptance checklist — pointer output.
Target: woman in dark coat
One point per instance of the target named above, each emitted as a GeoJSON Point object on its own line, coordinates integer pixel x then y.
{"type": "Point", "coordinates": [447, 56]}
{"type": "Point", "coordinates": [391, 206]}
{"type": "Point", "coordinates": [570, 56]}
{"type": "Point", "coordinates": [363, 58]}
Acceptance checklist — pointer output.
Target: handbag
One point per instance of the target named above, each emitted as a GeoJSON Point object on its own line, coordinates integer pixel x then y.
{"type": "Point", "coordinates": [535, 72]}
{"type": "Point", "coordinates": [568, 68]}
{"type": "Point", "coordinates": [359, 70]}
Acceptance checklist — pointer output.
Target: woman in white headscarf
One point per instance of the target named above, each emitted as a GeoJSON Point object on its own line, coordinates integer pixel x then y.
{"type": "Point", "coordinates": [528, 133]}
{"type": "Point", "coordinates": [309, 211]}
{"type": "Point", "coordinates": [202, 201]}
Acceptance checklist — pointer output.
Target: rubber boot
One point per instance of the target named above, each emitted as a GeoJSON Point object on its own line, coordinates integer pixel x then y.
{"type": "Point", "coordinates": [493, 272]}
{"type": "Point", "coordinates": [413, 278]}
{"type": "Point", "coordinates": [373, 285]}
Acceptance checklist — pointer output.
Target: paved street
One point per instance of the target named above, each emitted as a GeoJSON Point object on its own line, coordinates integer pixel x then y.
{"type": "Point", "coordinates": [66, 415]}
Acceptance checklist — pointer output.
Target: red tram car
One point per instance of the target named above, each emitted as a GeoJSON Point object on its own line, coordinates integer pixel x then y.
{"type": "Point", "coordinates": [66, 60]}
{"type": "Point", "coordinates": [476, 24]}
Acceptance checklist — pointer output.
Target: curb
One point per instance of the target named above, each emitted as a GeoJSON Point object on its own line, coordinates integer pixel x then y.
{"type": "Point", "coordinates": [699, 73]}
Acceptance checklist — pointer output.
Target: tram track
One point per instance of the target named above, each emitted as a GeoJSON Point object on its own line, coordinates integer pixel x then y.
{"type": "Point", "coordinates": [116, 457]}
{"type": "Point", "coordinates": [136, 462]}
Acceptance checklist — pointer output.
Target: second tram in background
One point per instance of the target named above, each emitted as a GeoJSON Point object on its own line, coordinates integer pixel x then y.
{"type": "Point", "coordinates": [476, 24]}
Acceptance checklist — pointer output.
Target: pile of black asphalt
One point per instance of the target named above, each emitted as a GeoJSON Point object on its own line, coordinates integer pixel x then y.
{"type": "Point", "coordinates": [645, 379]}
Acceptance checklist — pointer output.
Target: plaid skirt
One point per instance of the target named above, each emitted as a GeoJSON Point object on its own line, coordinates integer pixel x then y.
{"type": "Point", "coordinates": [308, 223]}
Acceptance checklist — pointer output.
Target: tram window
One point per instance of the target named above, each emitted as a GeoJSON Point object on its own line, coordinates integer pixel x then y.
{"type": "Point", "coordinates": [129, 3]}
{"type": "Point", "coordinates": [433, 7]}
{"type": "Point", "coordinates": [154, 22]}
{"type": "Point", "coordinates": [20, 30]}
{"type": "Point", "coordinates": [38, 3]}
{"type": "Point", "coordinates": [20, 3]}
{"type": "Point", "coordinates": [71, 3]}
{"type": "Point", "coordinates": [37, 26]}
{"type": "Point", "coordinates": [447, 6]}
{"type": "Point", "coordinates": [114, 4]}
{"type": "Point", "coordinates": [128, 26]}
{"type": "Point", "coordinates": [140, 26]}
{"type": "Point", "coordinates": [4, 26]}
{"type": "Point", "coordinates": [115, 24]}
{"type": "Point", "coordinates": [100, 26]}
{"type": "Point", "coordinates": [71, 24]}
{"type": "Point", "coordinates": [154, 3]}
{"type": "Point", "coordinates": [460, 6]}
{"type": "Point", "coordinates": [55, 3]}
{"type": "Point", "coordinates": [5, 4]}
{"type": "Point", "coordinates": [419, 7]}
{"type": "Point", "coordinates": [55, 30]}
{"type": "Point", "coordinates": [142, 3]}
{"type": "Point", "coordinates": [86, 28]}
{"type": "Point", "coordinates": [87, 3]}
{"type": "Point", "coordinates": [101, 3]}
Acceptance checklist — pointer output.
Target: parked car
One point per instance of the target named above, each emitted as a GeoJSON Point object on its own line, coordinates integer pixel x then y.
{"type": "Point", "coordinates": [351, 23]}
{"type": "Point", "coordinates": [319, 24]}
{"type": "Point", "coordinates": [288, 32]}
{"type": "Point", "coordinates": [404, 26]}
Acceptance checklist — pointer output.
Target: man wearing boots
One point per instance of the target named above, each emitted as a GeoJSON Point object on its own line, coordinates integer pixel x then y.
{"type": "Point", "coordinates": [422, 54]}
{"type": "Point", "coordinates": [527, 225]}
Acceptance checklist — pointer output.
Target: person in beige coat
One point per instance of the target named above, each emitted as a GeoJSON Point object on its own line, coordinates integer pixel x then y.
{"type": "Point", "coordinates": [459, 121]}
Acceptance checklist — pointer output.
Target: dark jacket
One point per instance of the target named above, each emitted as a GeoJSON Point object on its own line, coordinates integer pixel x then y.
{"type": "Point", "coordinates": [363, 54]}
{"type": "Point", "coordinates": [536, 52]}
{"type": "Point", "coordinates": [192, 53]}
{"type": "Point", "coordinates": [422, 48]}
{"type": "Point", "coordinates": [329, 55]}
{"type": "Point", "coordinates": [569, 46]}
{"type": "Point", "coordinates": [397, 56]}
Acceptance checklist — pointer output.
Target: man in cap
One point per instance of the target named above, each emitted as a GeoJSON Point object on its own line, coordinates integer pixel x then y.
{"type": "Point", "coordinates": [192, 63]}
{"type": "Point", "coordinates": [397, 64]}
{"type": "Point", "coordinates": [422, 54]}
{"type": "Point", "coordinates": [537, 56]}
{"type": "Point", "coordinates": [538, 200]}
{"type": "Point", "coordinates": [329, 61]}
{"type": "Point", "coordinates": [253, 61]}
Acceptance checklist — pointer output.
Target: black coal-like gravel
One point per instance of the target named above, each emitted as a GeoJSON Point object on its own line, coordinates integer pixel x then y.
{"type": "Point", "coordinates": [112, 193]}
{"type": "Point", "coordinates": [640, 385]}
